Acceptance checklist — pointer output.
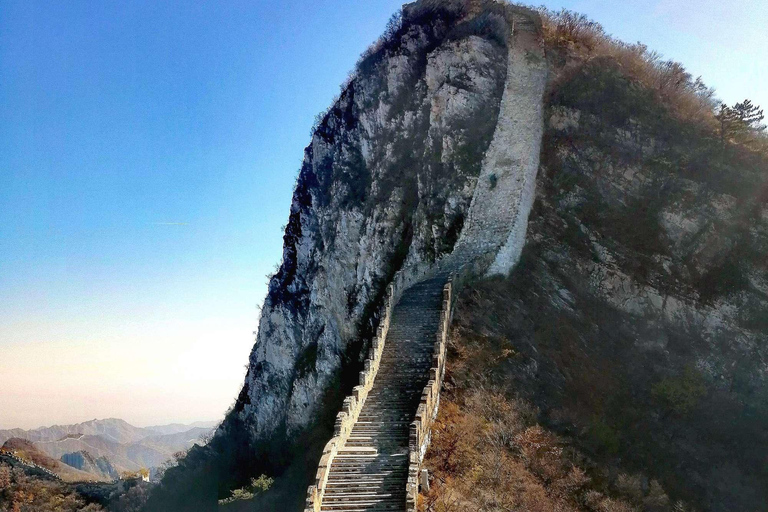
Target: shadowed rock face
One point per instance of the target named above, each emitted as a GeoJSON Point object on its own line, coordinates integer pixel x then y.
{"type": "Point", "coordinates": [84, 461]}
{"type": "Point", "coordinates": [636, 318]}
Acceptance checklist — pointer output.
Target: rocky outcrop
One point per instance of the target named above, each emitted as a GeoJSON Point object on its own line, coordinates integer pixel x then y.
{"type": "Point", "coordinates": [84, 461]}
{"type": "Point", "coordinates": [385, 185]}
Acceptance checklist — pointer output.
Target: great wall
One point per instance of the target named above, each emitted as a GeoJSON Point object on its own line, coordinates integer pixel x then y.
{"type": "Point", "coordinates": [373, 462]}
{"type": "Point", "coordinates": [11, 454]}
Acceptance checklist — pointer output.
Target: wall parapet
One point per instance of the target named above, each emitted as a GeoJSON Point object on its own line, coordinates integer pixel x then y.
{"type": "Point", "coordinates": [421, 427]}
{"type": "Point", "coordinates": [353, 404]}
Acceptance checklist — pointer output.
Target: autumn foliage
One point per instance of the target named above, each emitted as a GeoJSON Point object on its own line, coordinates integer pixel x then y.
{"type": "Point", "coordinates": [22, 493]}
{"type": "Point", "coordinates": [488, 451]}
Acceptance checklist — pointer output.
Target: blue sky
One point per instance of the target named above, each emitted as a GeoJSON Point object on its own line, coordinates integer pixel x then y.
{"type": "Point", "coordinates": [147, 156]}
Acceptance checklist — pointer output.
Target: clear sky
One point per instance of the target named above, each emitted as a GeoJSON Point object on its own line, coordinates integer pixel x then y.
{"type": "Point", "coordinates": [147, 156]}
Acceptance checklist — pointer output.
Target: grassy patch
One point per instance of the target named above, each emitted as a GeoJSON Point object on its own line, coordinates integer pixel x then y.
{"type": "Point", "coordinates": [256, 487]}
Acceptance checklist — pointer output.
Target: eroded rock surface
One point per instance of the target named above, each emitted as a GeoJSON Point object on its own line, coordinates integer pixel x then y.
{"type": "Point", "coordinates": [385, 185]}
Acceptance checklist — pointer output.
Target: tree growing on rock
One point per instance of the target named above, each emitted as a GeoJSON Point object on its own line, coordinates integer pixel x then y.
{"type": "Point", "coordinates": [741, 119]}
{"type": "Point", "coordinates": [749, 115]}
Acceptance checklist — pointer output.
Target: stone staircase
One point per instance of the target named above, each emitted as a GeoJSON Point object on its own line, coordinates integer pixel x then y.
{"type": "Point", "coordinates": [370, 471]}
{"type": "Point", "coordinates": [368, 467]}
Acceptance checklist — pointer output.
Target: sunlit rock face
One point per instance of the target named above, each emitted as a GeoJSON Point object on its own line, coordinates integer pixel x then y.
{"type": "Point", "coordinates": [386, 184]}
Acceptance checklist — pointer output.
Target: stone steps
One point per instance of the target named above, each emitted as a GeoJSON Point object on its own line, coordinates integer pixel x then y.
{"type": "Point", "coordinates": [370, 472]}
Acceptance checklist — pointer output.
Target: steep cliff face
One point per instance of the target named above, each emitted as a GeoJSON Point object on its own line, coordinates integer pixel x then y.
{"type": "Point", "coordinates": [385, 185]}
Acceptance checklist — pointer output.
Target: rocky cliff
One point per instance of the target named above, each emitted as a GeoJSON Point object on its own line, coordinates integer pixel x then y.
{"type": "Point", "coordinates": [391, 174]}
{"type": "Point", "coordinates": [395, 169]}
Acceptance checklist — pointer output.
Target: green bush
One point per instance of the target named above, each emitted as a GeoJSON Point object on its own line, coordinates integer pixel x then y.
{"type": "Point", "coordinates": [261, 484]}
{"type": "Point", "coordinates": [604, 436]}
{"type": "Point", "coordinates": [257, 486]}
{"type": "Point", "coordinates": [682, 393]}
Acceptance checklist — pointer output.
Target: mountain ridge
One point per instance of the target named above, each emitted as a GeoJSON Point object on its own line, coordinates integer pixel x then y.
{"type": "Point", "coordinates": [111, 446]}
{"type": "Point", "coordinates": [28, 452]}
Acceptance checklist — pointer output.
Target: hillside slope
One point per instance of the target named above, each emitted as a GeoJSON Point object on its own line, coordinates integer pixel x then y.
{"type": "Point", "coordinates": [28, 452]}
{"type": "Point", "coordinates": [623, 362]}
{"type": "Point", "coordinates": [30, 490]}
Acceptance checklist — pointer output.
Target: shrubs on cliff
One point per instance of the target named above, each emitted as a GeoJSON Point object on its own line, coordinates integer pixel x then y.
{"type": "Point", "coordinates": [680, 393]}
{"type": "Point", "coordinates": [573, 41]}
{"type": "Point", "coordinates": [133, 500]}
{"type": "Point", "coordinates": [658, 147]}
{"type": "Point", "coordinates": [489, 452]}
{"type": "Point", "coordinates": [257, 486]}
{"type": "Point", "coordinates": [552, 394]}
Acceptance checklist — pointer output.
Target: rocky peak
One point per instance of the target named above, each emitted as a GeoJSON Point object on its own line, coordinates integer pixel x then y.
{"type": "Point", "coordinates": [387, 182]}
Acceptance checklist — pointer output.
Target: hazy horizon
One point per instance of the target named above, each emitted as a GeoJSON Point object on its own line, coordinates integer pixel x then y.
{"type": "Point", "coordinates": [50, 425]}
{"type": "Point", "coordinates": [147, 159]}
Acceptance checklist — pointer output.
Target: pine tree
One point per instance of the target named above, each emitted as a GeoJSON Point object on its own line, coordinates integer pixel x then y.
{"type": "Point", "coordinates": [727, 118]}
{"type": "Point", "coordinates": [750, 115]}
{"type": "Point", "coordinates": [738, 120]}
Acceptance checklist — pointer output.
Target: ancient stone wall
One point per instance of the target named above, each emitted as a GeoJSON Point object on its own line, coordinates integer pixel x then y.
{"type": "Point", "coordinates": [421, 428]}
{"type": "Point", "coordinates": [353, 404]}
{"type": "Point", "coordinates": [503, 196]}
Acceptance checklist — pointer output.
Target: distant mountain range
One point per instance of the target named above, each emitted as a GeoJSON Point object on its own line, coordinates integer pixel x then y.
{"type": "Point", "coordinates": [103, 449]}
{"type": "Point", "coordinates": [177, 428]}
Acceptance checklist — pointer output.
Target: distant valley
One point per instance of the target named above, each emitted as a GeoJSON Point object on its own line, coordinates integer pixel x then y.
{"type": "Point", "coordinates": [102, 450]}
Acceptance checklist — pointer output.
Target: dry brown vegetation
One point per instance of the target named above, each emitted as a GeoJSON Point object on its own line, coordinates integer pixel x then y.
{"type": "Point", "coordinates": [573, 41]}
{"type": "Point", "coordinates": [489, 453]}
{"type": "Point", "coordinates": [22, 493]}
{"type": "Point", "coordinates": [27, 450]}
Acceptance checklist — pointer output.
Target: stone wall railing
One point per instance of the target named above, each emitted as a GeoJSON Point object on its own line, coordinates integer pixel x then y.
{"type": "Point", "coordinates": [421, 428]}
{"type": "Point", "coordinates": [353, 404]}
